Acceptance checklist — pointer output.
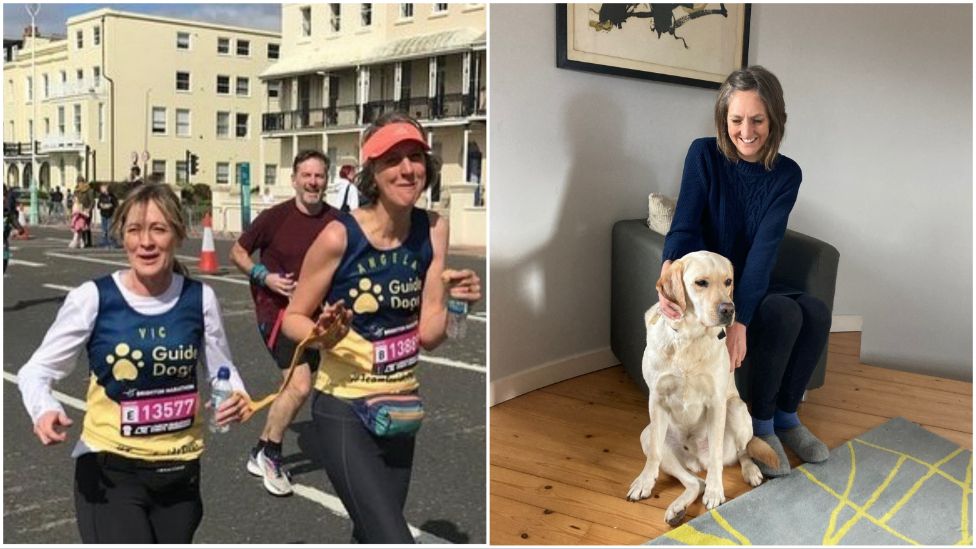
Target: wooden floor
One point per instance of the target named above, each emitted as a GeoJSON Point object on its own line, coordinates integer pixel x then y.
{"type": "Point", "coordinates": [563, 457]}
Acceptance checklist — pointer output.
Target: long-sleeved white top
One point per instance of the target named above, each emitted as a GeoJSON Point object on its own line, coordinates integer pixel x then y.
{"type": "Point", "coordinates": [57, 356]}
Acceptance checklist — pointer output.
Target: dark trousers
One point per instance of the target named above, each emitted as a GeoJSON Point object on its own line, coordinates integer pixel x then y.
{"type": "Point", "coordinates": [121, 500]}
{"type": "Point", "coordinates": [107, 239]}
{"type": "Point", "coordinates": [371, 474]}
{"type": "Point", "coordinates": [785, 340]}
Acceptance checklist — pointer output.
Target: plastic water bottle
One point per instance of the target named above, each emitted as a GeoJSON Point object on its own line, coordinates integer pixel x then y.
{"type": "Point", "coordinates": [220, 390]}
{"type": "Point", "coordinates": [457, 318]}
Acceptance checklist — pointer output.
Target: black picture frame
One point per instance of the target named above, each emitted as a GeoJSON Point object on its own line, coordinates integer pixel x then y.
{"type": "Point", "coordinates": [564, 56]}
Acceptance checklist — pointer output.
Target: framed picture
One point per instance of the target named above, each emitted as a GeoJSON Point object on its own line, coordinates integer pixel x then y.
{"type": "Point", "coordinates": [697, 45]}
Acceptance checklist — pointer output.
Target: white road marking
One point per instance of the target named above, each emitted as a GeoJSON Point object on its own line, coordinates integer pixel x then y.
{"type": "Point", "coordinates": [453, 363]}
{"type": "Point", "coordinates": [478, 317]}
{"type": "Point", "coordinates": [329, 501]}
{"type": "Point", "coordinates": [58, 287]}
{"type": "Point", "coordinates": [25, 263]}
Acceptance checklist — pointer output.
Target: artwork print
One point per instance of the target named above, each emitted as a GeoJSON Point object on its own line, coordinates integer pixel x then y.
{"type": "Point", "coordinates": [696, 44]}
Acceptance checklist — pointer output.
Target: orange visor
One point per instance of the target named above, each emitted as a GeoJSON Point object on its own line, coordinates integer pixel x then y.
{"type": "Point", "coordinates": [388, 137]}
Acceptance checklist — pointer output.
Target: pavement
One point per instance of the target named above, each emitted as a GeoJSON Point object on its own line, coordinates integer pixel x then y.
{"type": "Point", "coordinates": [447, 500]}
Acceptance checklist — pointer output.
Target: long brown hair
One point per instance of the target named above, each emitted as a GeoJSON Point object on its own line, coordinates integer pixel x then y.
{"type": "Point", "coordinates": [167, 202]}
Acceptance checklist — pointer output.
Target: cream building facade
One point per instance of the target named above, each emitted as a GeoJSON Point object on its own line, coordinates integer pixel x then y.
{"type": "Point", "coordinates": [343, 65]}
{"type": "Point", "coordinates": [124, 89]}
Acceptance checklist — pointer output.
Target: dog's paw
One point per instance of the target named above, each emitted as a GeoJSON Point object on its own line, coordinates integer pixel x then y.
{"type": "Point", "coordinates": [714, 496]}
{"type": "Point", "coordinates": [641, 487]}
{"type": "Point", "coordinates": [674, 514]}
{"type": "Point", "coordinates": [751, 474]}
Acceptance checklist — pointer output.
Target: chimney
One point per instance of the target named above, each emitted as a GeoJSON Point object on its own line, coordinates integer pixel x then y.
{"type": "Point", "coordinates": [30, 31]}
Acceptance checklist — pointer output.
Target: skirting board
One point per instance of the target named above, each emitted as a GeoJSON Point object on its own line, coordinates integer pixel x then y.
{"type": "Point", "coordinates": [540, 376]}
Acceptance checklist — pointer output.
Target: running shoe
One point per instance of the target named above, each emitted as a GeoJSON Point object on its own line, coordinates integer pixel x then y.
{"type": "Point", "coordinates": [253, 466]}
{"type": "Point", "coordinates": [276, 479]}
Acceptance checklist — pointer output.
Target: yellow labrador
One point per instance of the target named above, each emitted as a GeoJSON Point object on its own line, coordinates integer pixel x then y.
{"type": "Point", "coordinates": [698, 420]}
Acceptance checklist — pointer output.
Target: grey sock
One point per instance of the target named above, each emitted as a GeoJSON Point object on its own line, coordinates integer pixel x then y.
{"type": "Point", "coordinates": [806, 445]}
{"type": "Point", "coordinates": [769, 471]}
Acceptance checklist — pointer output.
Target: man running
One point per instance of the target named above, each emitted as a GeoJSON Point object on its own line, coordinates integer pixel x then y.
{"type": "Point", "coordinates": [283, 234]}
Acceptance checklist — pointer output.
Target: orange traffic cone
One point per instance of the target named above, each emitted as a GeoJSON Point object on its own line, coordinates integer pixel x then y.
{"type": "Point", "coordinates": [208, 255]}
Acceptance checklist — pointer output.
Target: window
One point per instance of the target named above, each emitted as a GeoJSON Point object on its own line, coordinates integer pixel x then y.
{"type": "Point", "coordinates": [223, 45]}
{"type": "Point", "coordinates": [223, 85]}
{"type": "Point", "coordinates": [223, 173]}
{"type": "Point", "coordinates": [61, 120]}
{"type": "Point", "coordinates": [182, 81]}
{"type": "Point", "coordinates": [29, 89]}
{"type": "Point", "coordinates": [80, 39]}
{"type": "Point", "coordinates": [241, 127]}
{"type": "Point", "coordinates": [366, 15]}
{"type": "Point", "coordinates": [30, 130]}
{"type": "Point", "coordinates": [182, 40]}
{"type": "Point", "coordinates": [97, 35]}
{"type": "Point", "coordinates": [183, 122]}
{"type": "Point", "coordinates": [244, 47]}
{"type": "Point", "coordinates": [243, 86]}
{"type": "Point", "coordinates": [159, 170]}
{"type": "Point", "coordinates": [270, 174]}
{"type": "Point", "coordinates": [237, 173]}
{"type": "Point", "coordinates": [274, 89]}
{"type": "Point", "coordinates": [307, 21]}
{"type": "Point", "coordinates": [159, 120]}
{"type": "Point", "coordinates": [406, 11]}
{"type": "Point", "coordinates": [64, 80]}
{"type": "Point", "coordinates": [223, 124]}
{"type": "Point", "coordinates": [181, 175]}
{"type": "Point", "coordinates": [97, 75]}
{"type": "Point", "coordinates": [335, 19]}
{"type": "Point", "coordinates": [101, 121]}
{"type": "Point", "coordinates": [77, 111]}
{"type": "Point", "coordinates": [80, 77]}
{"type": "Point", "coordinates": [274, 51]}
{"type": "Point", "coordinates": [46, 86]}
{"type": "Point", "coordinates": [47, 126]}
{"type": "Point", "coordinates": [440, 8]}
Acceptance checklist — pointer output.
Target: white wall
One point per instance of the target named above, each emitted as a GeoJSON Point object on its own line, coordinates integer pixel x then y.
{"type": "Point", "coordinates": [880, 106]}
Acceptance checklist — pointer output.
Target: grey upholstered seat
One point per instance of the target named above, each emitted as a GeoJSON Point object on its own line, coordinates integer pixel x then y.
{"type": "Point", "coordinates": [804, 263]}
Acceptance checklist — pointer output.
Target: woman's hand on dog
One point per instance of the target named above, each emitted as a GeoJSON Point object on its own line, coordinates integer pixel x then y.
{"type": "Point", "coordinates": [668, 308]}
{"type": "Point", "coordinates": [735, 340]}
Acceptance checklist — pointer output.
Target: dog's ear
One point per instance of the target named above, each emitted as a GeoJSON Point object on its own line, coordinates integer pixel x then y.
{"type": "Point", "coordinates": [671, 283]}
{"type": "Point", "coordinates": [652, 315]}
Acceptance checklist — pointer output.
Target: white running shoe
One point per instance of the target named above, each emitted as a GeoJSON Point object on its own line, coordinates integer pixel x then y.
{"type": "Point", "coordinates": [276, 479]}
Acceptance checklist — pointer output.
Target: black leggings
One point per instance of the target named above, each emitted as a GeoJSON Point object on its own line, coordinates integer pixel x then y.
{"type": "Point", "coordinates": [370, 474]}
{"type": "Point", "coordinates": [122, 500]}
{"type": "Point", "coordinates": [786, 339]}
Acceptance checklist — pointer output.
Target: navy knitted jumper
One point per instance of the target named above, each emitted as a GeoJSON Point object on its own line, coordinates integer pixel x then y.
{"type": "Point", "coordinates": [736, 209]}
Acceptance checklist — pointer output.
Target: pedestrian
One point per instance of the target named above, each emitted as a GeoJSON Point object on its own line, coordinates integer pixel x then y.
{"type": "Point", "coordinates": [11, 222]}
{"type": "Point", "coordinates": [282, 235]}
{"type": "Point", "coordinates": [736, 196]}
{"type": "Point", "coordinates": [81, 215]}
{"type": "Point", "coordinates": [144, 329]}
{"type": "Point", "coordinates": [69, 202]}
{"type": "Point", "coordinates": [57, 205]}
{"type": "Point", "coordinates": [107, 203]}
{"type": "Point", "coordinates": [386, 260]}
{"type": "Point", "coordinates": [344, 196]}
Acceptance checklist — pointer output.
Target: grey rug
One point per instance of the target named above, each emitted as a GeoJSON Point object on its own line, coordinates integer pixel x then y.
{"type": "Point", "coordinates": [895, 485]}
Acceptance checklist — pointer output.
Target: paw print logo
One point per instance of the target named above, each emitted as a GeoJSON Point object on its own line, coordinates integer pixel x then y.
{"type": "Point", "coordinates": [123, 364]}
{"type": "Point", "coordinates": [363, 299]}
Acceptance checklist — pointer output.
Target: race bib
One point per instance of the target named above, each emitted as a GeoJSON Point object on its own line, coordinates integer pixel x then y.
{"type": "Point", "coordinates": [162, 414]}
{"type": "Point", "coordinates": [396, 353]}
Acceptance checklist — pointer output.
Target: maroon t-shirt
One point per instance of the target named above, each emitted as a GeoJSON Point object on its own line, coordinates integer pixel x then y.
{"type": "Point", "coordinates": [283, 234]}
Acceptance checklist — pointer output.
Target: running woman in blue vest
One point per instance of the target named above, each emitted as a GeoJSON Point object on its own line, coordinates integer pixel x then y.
{"type": "Point", "coordinates": [385, 262]}
{"type": "Point", "coordinates": [736, 196]}
{"type": "Point", "coordinates": [145, 329]}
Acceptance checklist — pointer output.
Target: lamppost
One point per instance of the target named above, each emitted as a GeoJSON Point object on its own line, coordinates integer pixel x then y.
{"type": "Point", "coordinates": [32, 10]}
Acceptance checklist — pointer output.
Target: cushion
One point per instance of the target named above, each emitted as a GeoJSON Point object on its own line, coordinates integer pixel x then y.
{"type": "Point", "coordinates": [660, 212]}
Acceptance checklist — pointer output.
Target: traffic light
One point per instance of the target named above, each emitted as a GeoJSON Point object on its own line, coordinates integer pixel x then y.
{"type": "Point", "coordinates": [194, 164]}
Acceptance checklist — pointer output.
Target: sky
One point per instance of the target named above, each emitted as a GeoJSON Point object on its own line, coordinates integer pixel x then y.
{"type": "Point", "coordinates": [51, 17]}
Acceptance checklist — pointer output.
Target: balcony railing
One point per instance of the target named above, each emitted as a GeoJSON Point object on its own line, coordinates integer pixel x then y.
{"type": "Point", "coordinates": [62, 142]}
{"type": "Point", "coordinates": [74, 88]}
{"type": "Point", "coordinates": [11, 149]}
{"type": "Point", "coordinates": [454, 105]}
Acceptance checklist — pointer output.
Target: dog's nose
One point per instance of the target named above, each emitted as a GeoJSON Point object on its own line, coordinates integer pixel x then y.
{"type": "Point", "coordinates": [726, 310]}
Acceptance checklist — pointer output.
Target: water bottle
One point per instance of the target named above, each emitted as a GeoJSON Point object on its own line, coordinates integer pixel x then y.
{"type": "Point", "coordinates": [457, 318]}
{"type": "Point", "coordinates": [220, 390]}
